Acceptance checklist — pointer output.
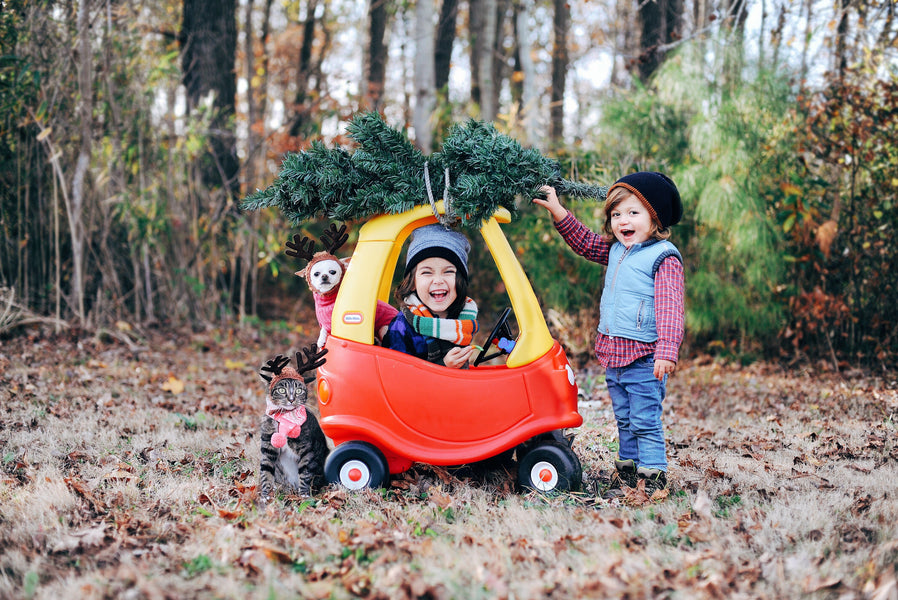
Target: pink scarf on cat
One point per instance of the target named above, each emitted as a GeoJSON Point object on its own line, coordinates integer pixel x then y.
{"type": "Point", "coordinates": [289, 421]}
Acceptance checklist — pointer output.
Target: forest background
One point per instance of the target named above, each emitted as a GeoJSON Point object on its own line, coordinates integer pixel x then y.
{"type": "Point", "coordinates": [137, 300]}
{"type": "Point", "coordinates": [131, 130]}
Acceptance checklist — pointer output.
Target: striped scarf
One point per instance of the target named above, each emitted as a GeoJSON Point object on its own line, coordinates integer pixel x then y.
{"type": "Point", "coordinates": [458, 331]}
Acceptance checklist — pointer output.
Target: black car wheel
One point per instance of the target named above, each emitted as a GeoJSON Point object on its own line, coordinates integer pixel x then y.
{"type": "Point", "coordinates": [356, 465]}
{"type": "Point", "coordinates": [550, 467]}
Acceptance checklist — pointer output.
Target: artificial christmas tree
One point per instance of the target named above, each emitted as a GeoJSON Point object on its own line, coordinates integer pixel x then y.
{"type": "Point", "coordinates": [477, 171]}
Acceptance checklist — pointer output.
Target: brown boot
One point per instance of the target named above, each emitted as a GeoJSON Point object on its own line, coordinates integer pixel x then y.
{"type": "Point", "coordinates": [624, 475]}
{"type": "Point", "coordinates": [655, 479]}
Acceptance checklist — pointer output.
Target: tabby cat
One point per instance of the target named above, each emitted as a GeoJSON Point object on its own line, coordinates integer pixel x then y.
{"type": "Point", "coordinates": [293, 446]}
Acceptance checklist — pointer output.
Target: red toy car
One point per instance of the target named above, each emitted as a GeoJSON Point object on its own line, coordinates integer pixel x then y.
{"type": "Point", "coordinates": [385, 410]}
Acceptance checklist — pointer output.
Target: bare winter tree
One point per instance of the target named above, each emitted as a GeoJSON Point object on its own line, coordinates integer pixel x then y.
{"type": "Point", "coordinates": [209, 46]}
{"type": "Point", "coordinates": [255, 110]}
{"type": "Point", "coordinates": [524, 78]}
{"type": "Point", "coordinates": [737, 13]}
{"type": "Point", "coordinates": [476, 37]}
{"type": "Point", "coordinates": [482, 30]}
{"type": "Point", "coordinates": [256, 96]}
{"type": "Point", "coordinates": [561, 26]}
{"type": "Point", "coordinates": [485, 67]}
{"type": "Point", "coordinates": [378, 16]}
{"type": "Point", "coordinates": [500, 57]}
{"type": "Point", "coordinates": [625, 43]}
{"type": "Point", "coordinates": [444, 42]}
{"type": "Point", "coordinates": [841, 43]}
{"type": "Point", "coordinates": [425, 77]}
{"type": "Point", "coordinates": [659, 24]}
{"type": "Point", "coordinates": [301, 109]}
{"type": "Point", "coordinates": [75, 207]}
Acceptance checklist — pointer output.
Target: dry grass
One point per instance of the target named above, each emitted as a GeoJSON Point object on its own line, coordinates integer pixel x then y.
{"type": "Point", "coordinates": [786, 485]}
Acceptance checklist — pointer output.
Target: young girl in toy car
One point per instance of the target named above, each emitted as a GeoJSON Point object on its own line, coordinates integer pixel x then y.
{"type": "Point", "coordinates": [437, 321]}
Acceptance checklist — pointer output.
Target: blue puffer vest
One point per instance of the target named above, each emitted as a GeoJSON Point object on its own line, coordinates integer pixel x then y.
{"type": "Point", "coordinates": [627, 308]}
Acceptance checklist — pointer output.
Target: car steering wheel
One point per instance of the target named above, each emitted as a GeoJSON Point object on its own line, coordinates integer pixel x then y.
{"type": "Point", "coordinates": [500, 329]}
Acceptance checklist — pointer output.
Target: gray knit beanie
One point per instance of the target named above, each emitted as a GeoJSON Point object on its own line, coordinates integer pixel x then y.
{"type": "Point", "coordinates": [437, 241]}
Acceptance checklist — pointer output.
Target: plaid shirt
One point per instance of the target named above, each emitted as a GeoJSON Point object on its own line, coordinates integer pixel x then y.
{"type": "Point", "coordinates": [669, 292]}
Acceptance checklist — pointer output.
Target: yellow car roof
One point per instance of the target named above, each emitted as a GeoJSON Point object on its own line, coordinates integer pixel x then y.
{"type": "Point", "coordinates": [369, 278]}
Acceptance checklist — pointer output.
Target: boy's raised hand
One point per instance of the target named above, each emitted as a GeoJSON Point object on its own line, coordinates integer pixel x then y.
{"type": "Point", "coordinates": [551, 203]}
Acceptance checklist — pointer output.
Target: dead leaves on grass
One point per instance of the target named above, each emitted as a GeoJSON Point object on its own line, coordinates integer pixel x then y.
{"type": "Point", "coordinates": [327, 543]}
{"type": "Point", "coordinates": [82, 540]}
{"type": "Point", "coordinates": [82, 489]}
{"type": "Point", "coordinates": [638, 497]}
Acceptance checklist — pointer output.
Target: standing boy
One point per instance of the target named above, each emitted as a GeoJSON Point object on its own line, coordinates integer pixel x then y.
{"type": "Point", "coordinates": [640, 314]}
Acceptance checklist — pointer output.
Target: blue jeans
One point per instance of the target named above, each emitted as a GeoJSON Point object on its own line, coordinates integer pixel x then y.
{"type": "Point", "coordinates": [636, 398]}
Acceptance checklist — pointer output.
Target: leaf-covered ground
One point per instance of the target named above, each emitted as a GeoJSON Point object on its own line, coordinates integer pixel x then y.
{"type": "Point", "coordinates": [130, 472]}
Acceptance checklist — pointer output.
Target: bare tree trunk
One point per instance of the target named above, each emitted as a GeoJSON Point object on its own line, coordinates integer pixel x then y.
{"type": "Point", "coordinates": [57, 255]}
{"type": "Point", "coordinates": [476, 24]}
{"type": "Point", "coordinates": [673, 19]}
{"type": "Point", "coordinates": [561, 25]}
{"type": "Point", "coordinates": [701, 11]}
{"type": "Point", "coordinates": [841, 50]}
{"type": "Point", "coordinates": [888, 37]}
{"type": "Point", "coordinates": [377, 54]}
{"type": "Point", "coordinates": [259, 150]}
{"type": "Point", "coordinates": [85, 112]}
{"type": "Point", "coordinates": [425, 77]}
{"type": "Point", "coordinates": [763, 28]}
{"type": "Point", "coordinates": [660, 25]}
{"type": "Point", "coordinates": [487, 84]}
{"type": "Point", "coordinates": [499, 69]}
{"type": "Point", "coordinates": [249, 64]}
{"type": "Point", "coordinates": [444, 43]}
{"type": "Point", "coordinates": [651, 20]}
{"type": "Point", "coordinates": [735, 53]}
{"type": "Point", "coordinates": [776, 36]}
{"type": "Point", "coordinates": [527, 71]}
{"type": "Point", "coordinates": [807, 40]}
{"type": "Point", "coordinates": [209, 42]}
{"type": "Point", "coordinates": [114, 183]}
{"type": "Point", "coordinates": [625, 44]}
{"type": "Point", "coordinates": [247, 236]}
{"type": "Point", "coordinates": [403, 34]}
{"type": "Point", "coordinates": [301, 111]}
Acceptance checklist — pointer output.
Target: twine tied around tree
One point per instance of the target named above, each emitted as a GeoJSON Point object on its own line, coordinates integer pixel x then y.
{"type": "Point", "coordinates": [447, 219]}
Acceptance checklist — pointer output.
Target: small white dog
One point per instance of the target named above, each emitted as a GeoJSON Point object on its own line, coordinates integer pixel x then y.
{"type": "Point", "coordinates": [324, 274]}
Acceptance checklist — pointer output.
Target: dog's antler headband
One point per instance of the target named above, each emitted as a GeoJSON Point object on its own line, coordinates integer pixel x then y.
{"type": "Point", "coordinates": [301, 247]}
{"type": "Point", "coordinates": [304, 247]}
{"type": "Point", "coordinates": [333, 238]}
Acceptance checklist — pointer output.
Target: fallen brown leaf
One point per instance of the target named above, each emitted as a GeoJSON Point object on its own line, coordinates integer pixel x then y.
{"type": "Point", "coordinates": [439, 498]}
{"type": "Point", "coordinates": [82, 539]}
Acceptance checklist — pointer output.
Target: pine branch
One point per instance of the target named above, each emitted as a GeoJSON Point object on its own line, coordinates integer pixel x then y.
{"type": "Point", "coordinates": [386, 175]}
{"type": "Point", "coordinates": [581, 190]}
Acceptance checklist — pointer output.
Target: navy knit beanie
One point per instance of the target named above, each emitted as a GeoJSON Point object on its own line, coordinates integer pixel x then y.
{"type": "Point", "coordinates": [437, 241]}
{"type": "Point", "coordinates": [657, 191]}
